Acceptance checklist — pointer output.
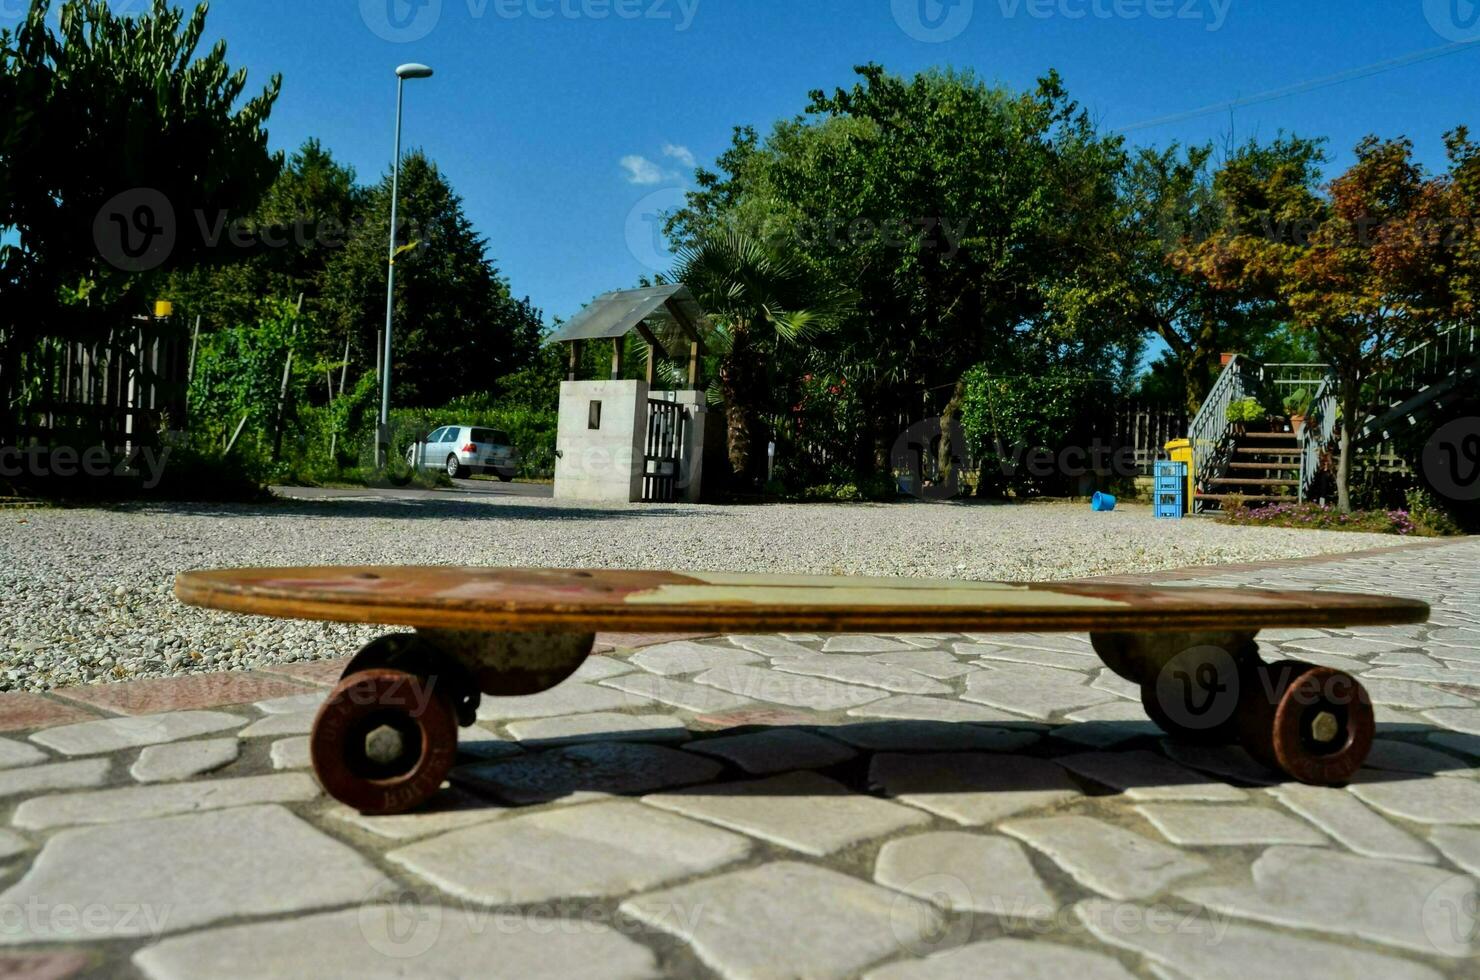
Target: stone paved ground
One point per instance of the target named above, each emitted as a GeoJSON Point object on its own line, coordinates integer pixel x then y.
{"type": "Point", "coordinates": [889, 806]}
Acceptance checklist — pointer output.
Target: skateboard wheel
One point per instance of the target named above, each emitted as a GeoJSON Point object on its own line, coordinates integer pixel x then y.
{"type": "Point", "coordinates": [1314, 724]}
{"type": "Point", "coordinates": [1216, 729]}
{"type": "Point", "coordinates": [384, 741]}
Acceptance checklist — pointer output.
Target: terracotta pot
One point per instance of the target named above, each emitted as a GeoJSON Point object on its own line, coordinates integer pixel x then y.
{"type": "Point", "coordinates": [1297, 424]}
{"type": "Point", "coordinates": [1224, 359]}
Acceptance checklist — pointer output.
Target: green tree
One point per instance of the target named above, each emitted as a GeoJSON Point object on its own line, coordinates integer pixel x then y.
{"type": "Point", "coordinates": [457, 327]}
{"type": "Point", "coordinates": [760, 301]}
{"type": "Point", "coordinates": [116, 135]}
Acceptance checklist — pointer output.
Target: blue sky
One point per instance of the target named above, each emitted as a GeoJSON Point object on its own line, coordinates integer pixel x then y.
{"type": "Point", "coordinates": [566, 124]}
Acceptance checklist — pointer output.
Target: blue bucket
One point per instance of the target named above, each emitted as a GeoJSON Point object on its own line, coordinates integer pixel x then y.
{"type": "Point", "coordinates": [1102, 502]}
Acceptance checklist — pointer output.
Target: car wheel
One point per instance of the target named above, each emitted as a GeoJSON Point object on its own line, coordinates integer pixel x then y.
{"type": "Point", "coordinates": [505, 476]}
{"type": "Point", "coordinates": [455, 469]}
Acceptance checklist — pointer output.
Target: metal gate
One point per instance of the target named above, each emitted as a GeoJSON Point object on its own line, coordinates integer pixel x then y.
{"type": "Point", "coordinates": [667, 432]}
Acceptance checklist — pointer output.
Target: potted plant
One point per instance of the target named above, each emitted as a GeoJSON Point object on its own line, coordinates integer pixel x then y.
{"type": "Point", "coordinates": [1244, 411]}
{"type": "Point", "coordinates": [1297, 406]}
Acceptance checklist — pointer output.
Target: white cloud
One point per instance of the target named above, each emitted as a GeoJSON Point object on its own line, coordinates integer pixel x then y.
{"type": "Point", "coordinates": [642, 171]}
{"type": "Point", "coordinates": [682, 154]}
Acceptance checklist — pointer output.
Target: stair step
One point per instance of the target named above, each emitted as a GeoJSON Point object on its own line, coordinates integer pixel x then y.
{"type": "Point", "coordinates": [1234, 482]}
{"type": "Point", "coordinates": [1264, 466]}
{"type": "Point", "coordinates": [1287, 436]}
{"type": "Point", "coordinates": [1268, 452]}
{"type": "Point", "coordinates": [1288, 498]}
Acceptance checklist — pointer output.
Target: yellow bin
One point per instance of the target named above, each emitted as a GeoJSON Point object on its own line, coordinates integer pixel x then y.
{"type": "Point", "coordinates": [1180, 451]}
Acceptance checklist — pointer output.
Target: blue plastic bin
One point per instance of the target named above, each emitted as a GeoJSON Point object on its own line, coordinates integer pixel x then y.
{"type": "Point", "coordinates": [1102, 502]}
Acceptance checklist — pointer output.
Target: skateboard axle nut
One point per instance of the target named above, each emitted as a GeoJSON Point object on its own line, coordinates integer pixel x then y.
{"type": "Point", "coordinates": [384, 745]}
{"type": "Point", "coordinates": [1324, 727]}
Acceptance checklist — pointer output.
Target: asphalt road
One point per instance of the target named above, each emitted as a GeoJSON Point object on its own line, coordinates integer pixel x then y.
{"type": "Point", "coordinates": [460, 489]}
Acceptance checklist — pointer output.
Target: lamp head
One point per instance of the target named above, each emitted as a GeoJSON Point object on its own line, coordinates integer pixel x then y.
{"type": "Point", "coordinates": [413, 71]}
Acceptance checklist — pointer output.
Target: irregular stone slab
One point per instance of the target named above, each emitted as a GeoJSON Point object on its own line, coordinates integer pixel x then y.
{"type": "Point", "coordinates": [1457, 719]}
{"type": "Point", "coordinates": [1227, 825]}
{"type": "Point", "coordinates": [862, 670]}
{"type": "Point", "coordinates": [14, 754]}
{"type": "Point", "coordinates": [291, 753]}
{"type": "Point", "coordinates": [801, 810]}
{"type": "Point", "coordinates": [1104, 734]}
{"type": "Point", "coordinates": [1111, 860]}
{"type": "Point", "coordinates": [600, 726]}
{"type": "Point", "coordinates": [1398, 756]}
{"type": "Point", "coordinates": [1108, 680]}
{"type": "Point", "coordinates": [397, 939]}
{"type": "Point", "coordinates": [11, 845]}
{"type": "Point", "coordinates": [1057, 659]}
{"type": "Point", "coordinates": [769, 921]}
{"type": "Point", "coordinates": [183, 872]}
{"type": "Point", "coordinates": [932, 736]}
{"type": "Point", "coordinates": [597, 668]}
{"type": "Point", "coordinates": [1221, 760]}
{"type": "Point", "coordinates": [448, 809]}
{"type": "Point", "coordinates": [276, 726]}
{"type": "Point", "coordinates": [1213, 949]}
{"type": "Point", "coordinates": [686, 657]}
{"type": "Point", "coordinates": [55, 775]}
{"type": "Point", "coordinates": [770, 646]}
{"type": "Point", "coordinates": [480, 743]}
{"type": "Point", "coordinates": [181, 760]}
{"type": "Point", "coordinates": [292, 704]}
{"type": "Point", "coordinates": [596, 851]}
{"type": "Point", "coordinates": [680, 694]}
{"type": "Point", "coordinates": [1460, 845]}
{"type": "Point", "coordinates": [864, 644]}
{"type": "Point", "coordinates": [1456, 676]}
{"type": "Point", "coordinates": [1458, 742]}
{"type": "Point", "coordinates": [570, 698]}
{"type": "Point", "coordinates": [776, 750]}
{"type": "Point", "coordinates": [1056, 642]}
{"type": "Point", "coordinates": [112, 734]}
{"type": "Point", "coordinates": [967, 873]}
{"type": "Point", "coordinates": [1350, 646]}
{"type": "Point", "coordinates": [1111, 711]}
{"type": "Point", "coordinates": [1342, 816]}
{"type": "Point", "coordinates": [912, 706]}
{"type": "Point", "coordinates": [586, 772]}
{"type": "Point", "coordinates": [1392, 902]}
{"type": "Point", "coordinates": [1006, 959]}
{"type": "Point", "coordinates": [796, 690]}
{"type": "Point", "coordinates": [140, 802]}
{"type": "Point", "coordinates": [1145, 775]}
{"type": "Point", "coordinates": [1421, 800]}
{"type": "Point", "coordinates": [1034, 696]}
{"type": "Point", "coordinates": [1412, 694]}
{"type": "Point", "coordinates": [972, 788]}
{"type": "Point", "coordinates": [931, 663]}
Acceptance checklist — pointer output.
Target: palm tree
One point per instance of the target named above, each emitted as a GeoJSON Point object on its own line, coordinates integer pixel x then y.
{"type": "Point", "coordinates": [759, 300]}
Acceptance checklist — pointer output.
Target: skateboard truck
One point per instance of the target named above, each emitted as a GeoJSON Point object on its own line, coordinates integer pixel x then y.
{"type": "Point", "coordinates": [386, 737]}
{"type": "Point", "coordinates": [1312, 723]}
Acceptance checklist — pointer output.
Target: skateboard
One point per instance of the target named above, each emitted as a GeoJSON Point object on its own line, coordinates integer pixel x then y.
{"type": "Point", "coordinates": [386, 736]}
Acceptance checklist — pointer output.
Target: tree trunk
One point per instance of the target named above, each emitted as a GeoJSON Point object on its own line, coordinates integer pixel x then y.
{"type": "Point", "coordinates": [945, 458]}
{"type": "Point", "coordinates": [1351, 399]}
{"type": "Point", "coordinates": [1195, 377]}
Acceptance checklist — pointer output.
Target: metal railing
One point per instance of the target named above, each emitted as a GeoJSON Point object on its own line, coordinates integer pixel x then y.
{"type": "Point", "coordinates": [1318, 437]}
{"type": "Point", "coordinates": [1209, 432]}
{"type": "Point", "coordinates": [1422, 376]}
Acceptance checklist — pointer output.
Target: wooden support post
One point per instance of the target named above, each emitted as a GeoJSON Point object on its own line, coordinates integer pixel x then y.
{"type": "Point", "coordinates": [694, 365]}
{"type": "Point", "coordinates": [654, 350]}
{"type": "Point", "coordinates": [575, 360]}
{"type": "Point", "coordinates": [617, 351]}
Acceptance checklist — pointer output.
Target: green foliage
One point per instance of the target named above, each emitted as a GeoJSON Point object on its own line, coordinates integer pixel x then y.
{"type": "Point", "coordinates": [1246, 410]}
{"type": "Point", "coordinates": [1425, 522]}
{"type": "Point", "coordinates": [1297, 403]}
{"type": "Point", "coordinates": [1003, 417]}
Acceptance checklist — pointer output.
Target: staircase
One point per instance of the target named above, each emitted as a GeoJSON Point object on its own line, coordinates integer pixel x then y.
{"type": "Point", "coordinates": [1263, 468]}
{"type": "Point", "coordinates": [1278, 466]}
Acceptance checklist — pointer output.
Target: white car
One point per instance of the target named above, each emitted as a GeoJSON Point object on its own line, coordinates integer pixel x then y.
{"type": "Point", "coordinates": [463, 449]}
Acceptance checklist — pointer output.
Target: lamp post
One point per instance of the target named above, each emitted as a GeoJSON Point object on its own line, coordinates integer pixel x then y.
{"type": "Point", "coordinates": [382, 442]}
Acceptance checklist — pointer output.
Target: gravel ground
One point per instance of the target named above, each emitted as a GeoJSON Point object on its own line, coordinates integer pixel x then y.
{"type": "Point", "coordinates": [85, 594]}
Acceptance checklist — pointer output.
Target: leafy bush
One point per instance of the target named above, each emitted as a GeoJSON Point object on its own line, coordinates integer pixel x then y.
{"type": "Point", "coordinates": [1002, 417]}
{"type": "Point", "coordinates": [1297, 403]}
{"type": "Point", "coordinates": [1246, 410]}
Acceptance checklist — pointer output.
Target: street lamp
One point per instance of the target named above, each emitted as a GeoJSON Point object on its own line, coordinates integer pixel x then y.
{"type": "Point", "coordinates": [383, 442]}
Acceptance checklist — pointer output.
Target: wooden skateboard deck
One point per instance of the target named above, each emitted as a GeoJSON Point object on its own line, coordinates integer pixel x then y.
{"type": "Point", "coordinates": [549, 600]}
{"type": "Point", "coordinates": [386, 736]}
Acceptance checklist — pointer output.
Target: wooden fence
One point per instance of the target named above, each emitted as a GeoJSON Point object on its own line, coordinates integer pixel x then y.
{"type": "Point", "coordinates": [118, 392]}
